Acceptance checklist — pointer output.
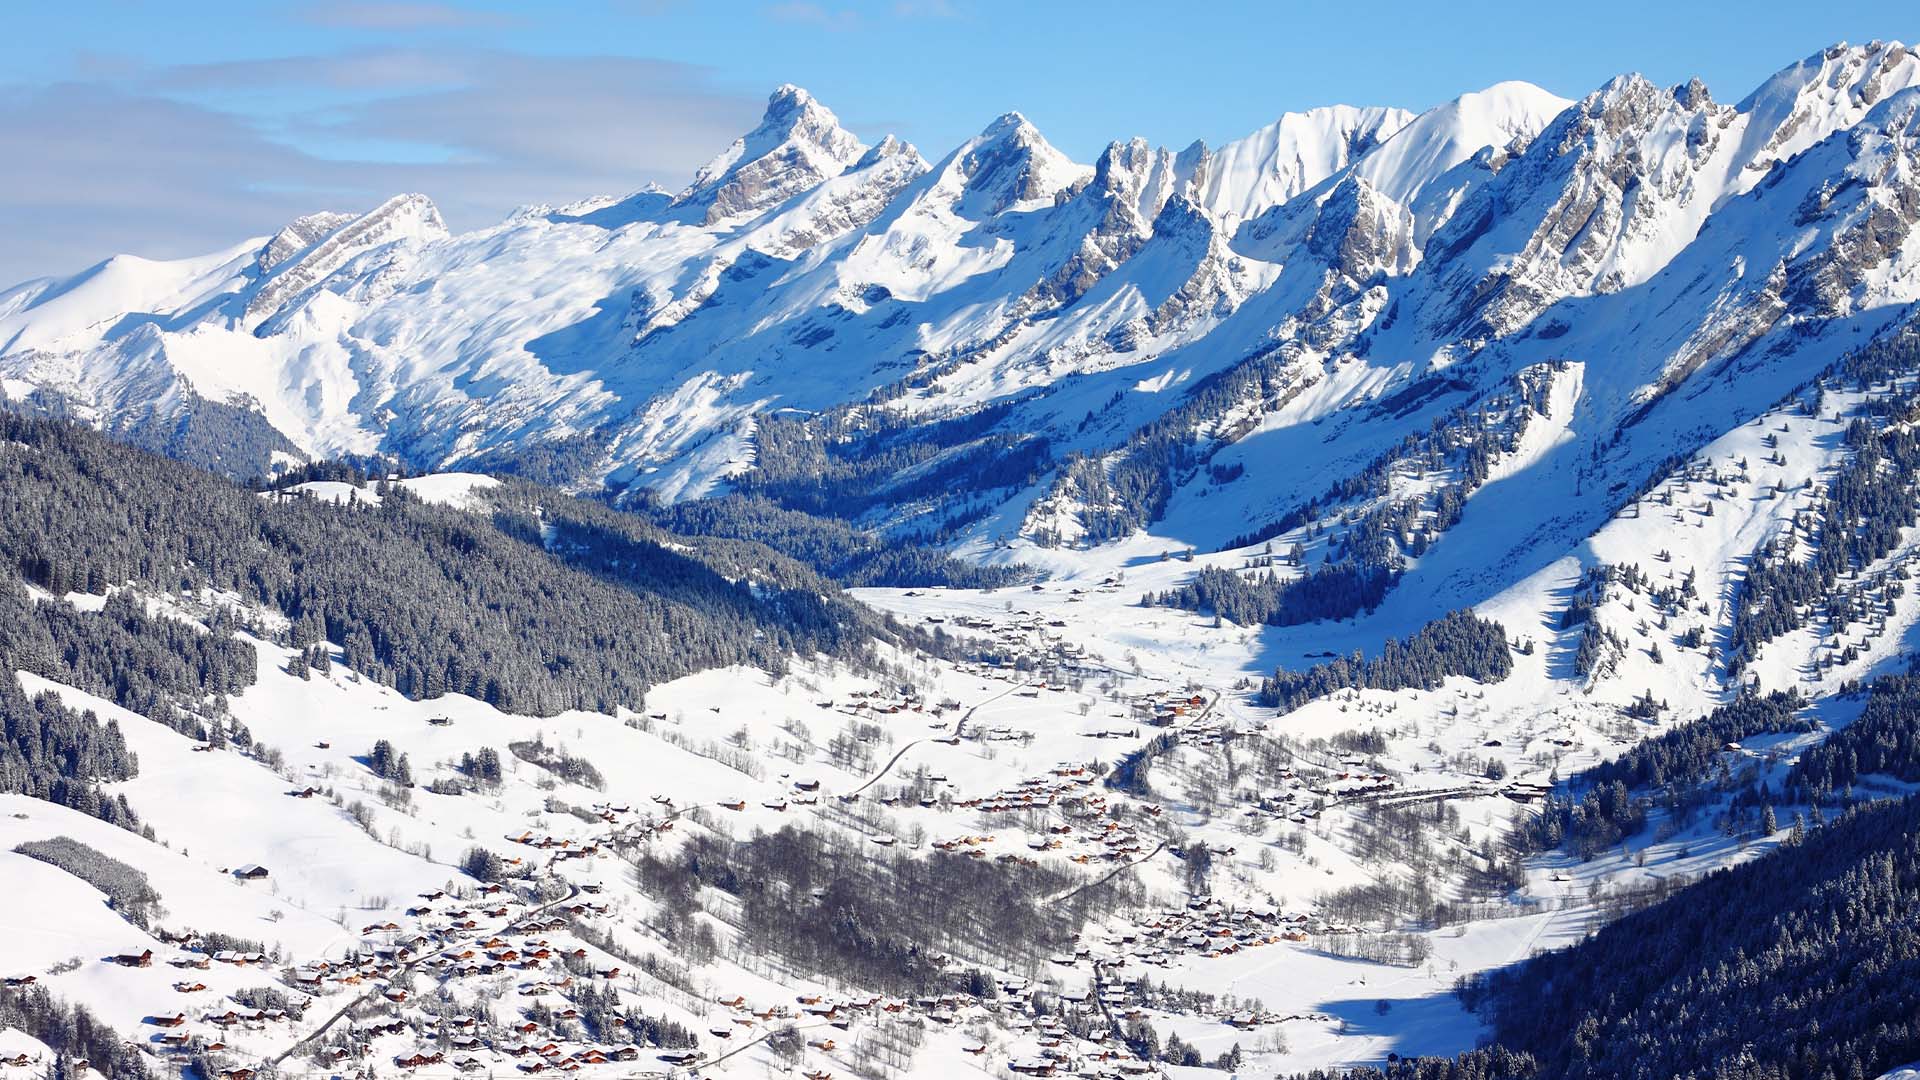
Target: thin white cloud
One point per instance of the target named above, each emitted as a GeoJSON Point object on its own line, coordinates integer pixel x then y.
{"type": "Point", "coordinates": [146, 164]}
{"type": "Point", "coordinates": [397, 16]}
{"type": "Point", "coordinates": [924, 9]}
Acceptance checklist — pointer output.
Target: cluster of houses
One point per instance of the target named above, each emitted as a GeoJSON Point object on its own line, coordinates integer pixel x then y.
{"type": "Point", "coordinates": [874, 704]}
{"type": "Point", "coordinates": [1208, 927]}
{"type": "Point", "coordinates": [1089, 831]}
{"type": "Point", "coordinates": [1056, 1051]}
{"type": "Point", "coordinates": [442, 937]}
{"type": "Point", "coordinates": [558, 848]}
{"type": "Point", "coordinates": [533, 968]}
{"type": "Point", "coordinates": [1066, 781]}
{"type": "Point", "coordinates": [1168, 708]}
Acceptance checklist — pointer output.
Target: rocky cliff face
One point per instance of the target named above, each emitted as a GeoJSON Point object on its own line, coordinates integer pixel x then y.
{"type": "Point", "coordinates": [798, 144]}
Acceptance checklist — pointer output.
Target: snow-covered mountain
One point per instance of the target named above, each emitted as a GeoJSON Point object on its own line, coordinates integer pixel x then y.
{"type": "Point", "coordinates": [639, 342]}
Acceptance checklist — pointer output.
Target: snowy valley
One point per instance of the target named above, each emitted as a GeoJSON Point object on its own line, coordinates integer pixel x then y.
{"type": "Point", "coordinates": [1201, 613]}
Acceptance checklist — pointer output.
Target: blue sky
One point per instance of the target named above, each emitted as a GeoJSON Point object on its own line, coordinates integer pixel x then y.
{"type": "Point", "coordinates": [171, 128]}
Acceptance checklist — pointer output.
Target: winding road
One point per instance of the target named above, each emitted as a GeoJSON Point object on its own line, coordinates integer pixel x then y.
{"type": "Point", "coordinates": [958, 726]}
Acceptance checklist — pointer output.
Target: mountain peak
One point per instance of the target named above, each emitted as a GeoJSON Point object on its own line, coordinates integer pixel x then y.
{"type": "Point", "coordinates": [798, 143]}
{"type": "Point", "coordinates": [1011, 162]}
{"type": "Point", "coordinates": [1437, 140]}
{"type": "Point", "coordinates": [1012, 120]}
{"type": "Point", "coordinates": [1292, 154]}
{"type": "Point", "coordinates": [407, 217]}
{"type": "Point", "coordinates": [1832, 89]}
{"type": "Point", "coordinates": [788, 96]}
{"type": "Point", "coordinates": [300, 234]}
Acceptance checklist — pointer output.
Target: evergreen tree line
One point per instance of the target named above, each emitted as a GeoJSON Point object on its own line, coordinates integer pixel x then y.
{"type": "Point", "coordinates": [1860, 516]}
{"type": "Point", "coordinates": [1486, 1063]}
{"type": "Point", "coordinates": [1800, 965]}
{"type": "Point", "coordinates": [1335, 590]}
{"type": "Point", "coordinates": [1458, 643]}
{"type": "Point", "coordinates": [128, 890]}
{"type": "Point", "coordinates": [850, 460]}
{"type": "Point", "coordinates": [154, 665]}
{"type": "Point", "coordinates": [51, 752]}
{"type": "Point", "coordinates": [1608, 803]}
{"type": "Point", "coordinates": [1884, 740]}
{"type": "Point", "coordinates": [72, 1032]}
{"type": "Point", "coordinates": [426, 599]}
{"type": "Point", "coordinates": [852, 556]}
{"type": "Point", "coordinates": [1128, 488]}
{"type": "Point", "coordinates": [1688, 753]}
{"type": "Point", "coordinates": [229, 440]}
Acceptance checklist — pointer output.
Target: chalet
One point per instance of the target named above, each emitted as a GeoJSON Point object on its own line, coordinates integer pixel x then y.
{"type": "Point", "coordinates": [171, 1021]}
{"type": "Point", "coordinates": [250, 872]}
{"type": "Point", "coordinates": [144, 958]}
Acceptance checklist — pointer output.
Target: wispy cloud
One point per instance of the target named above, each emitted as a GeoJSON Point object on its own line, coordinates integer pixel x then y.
{"type": "Point", "coordinates": [925, 9]}
{"type": "Point", "coordinates": [397, 16]}
{"type": "Point", "coordinates": [164, 169]}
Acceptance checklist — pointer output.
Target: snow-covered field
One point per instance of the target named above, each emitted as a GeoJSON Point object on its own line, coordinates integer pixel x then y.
{"type": "Point", "coordinates": [1007, 758]}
